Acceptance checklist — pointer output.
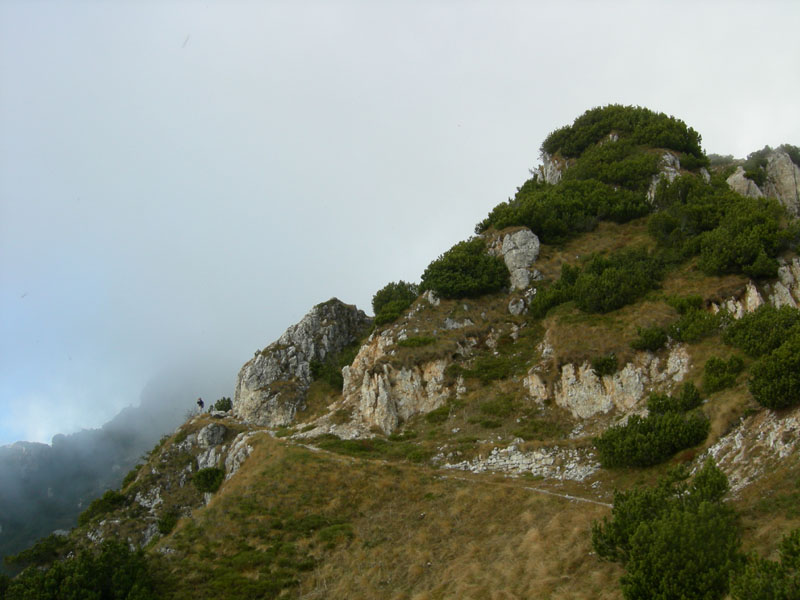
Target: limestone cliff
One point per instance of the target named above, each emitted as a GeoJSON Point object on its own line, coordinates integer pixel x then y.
{"type": "Point", "coordinates": [782, 182]}
{"type": "Point", "coordinates": [271, 386]}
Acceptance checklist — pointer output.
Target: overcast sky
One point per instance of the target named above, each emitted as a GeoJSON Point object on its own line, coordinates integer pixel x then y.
{"type": "Point", "coordinates": [184, 180]}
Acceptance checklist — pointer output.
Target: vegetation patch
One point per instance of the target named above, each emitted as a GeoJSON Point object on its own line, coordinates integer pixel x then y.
{"type": "Point", "coordinates": [208, 480]}
{"type": "Point", "coordinates": [648, 441]}
{"type": "Point", "coordinates": [675, 540]}
{"type": "Point", "coordinates": [106, 503]}
{"type": "Point", "coordinates": [651, 339]}
{"type": "Point", "coordinates": [392, 300]}
{"type": "Point", "coordinates": [416, 342]}
{"type": "Point", "coordinates": [719, 374]}
{"type": "Point", "coordinates": [465, 271]}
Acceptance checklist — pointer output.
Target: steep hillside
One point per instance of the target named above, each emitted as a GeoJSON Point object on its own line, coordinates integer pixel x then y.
{"type": "Point", "coordinates": [534, 419]}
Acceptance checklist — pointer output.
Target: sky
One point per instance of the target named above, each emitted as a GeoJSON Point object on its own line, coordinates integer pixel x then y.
{"type": "Point", "coordinates": [182, 181]}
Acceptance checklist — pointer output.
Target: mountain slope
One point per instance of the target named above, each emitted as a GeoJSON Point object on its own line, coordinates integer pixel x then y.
{"type": "Point", "coordinates": [466, 448]}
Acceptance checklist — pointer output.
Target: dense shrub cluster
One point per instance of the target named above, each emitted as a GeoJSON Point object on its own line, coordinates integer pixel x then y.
{"type": "Point", "coordinates": [604, 284]}
{"type": "Point", "coordinates": [223, 404]}
{"type": "Point", "coordinates": [106, 503]}
{"type": "Point", "coordinates": [719, 374]}
{"type": "Point", "coordinates": [688, 399]}
{"type": "Point", "coordinates": [556, 213]}
{"type": "Point", "coordinates": [330, 370]}
{"type": "Point", "coordinates": [643, 442]}
{"type": "Point", "coordinates": [391, 300]}
{"type": "Point", "coordinates": [605, 365]}
{"type": "Point", "coordinates": [208, 479]}
{"type": "Point", "coordinates": [694, 325]}
{"type": "Point", "coordinates": [676, 540]}
{"type": "Point", "coordinates": [773, 336]}
{"type": "Point", "coordinates": [650, 338]}
{"type": "Point", "coordinates": [465, 271]}
{"type": "Point", "coordinates": [763, 330]}
{"type": "Point", "coordinates": [111, 572]}
{"type": "Point", "coordinates": [763, 579]}
{"type": "Point", "coordinates": [730, 233]}
{"type": "Point", "coordinates": [634, 123]}
{"type": "Point", "coordinates": [775, 378]}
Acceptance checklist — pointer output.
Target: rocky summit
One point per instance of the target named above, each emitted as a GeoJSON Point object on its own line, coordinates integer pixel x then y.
{"type": "Point", "coordinates": [596, 395]}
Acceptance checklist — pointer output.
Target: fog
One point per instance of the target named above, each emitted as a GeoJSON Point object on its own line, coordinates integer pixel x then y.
{"type": "Point", "coordinates": [181, 181]}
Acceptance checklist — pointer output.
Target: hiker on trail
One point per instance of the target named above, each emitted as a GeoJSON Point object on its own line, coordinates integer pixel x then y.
{"type": "Point", "coordinates": [200, 403]}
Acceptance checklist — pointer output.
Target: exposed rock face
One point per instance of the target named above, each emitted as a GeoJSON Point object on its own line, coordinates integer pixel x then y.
{"type": "Point", "coordinates": [785, 291]}
{"type": "Point", "coordinates": [271, 387]}
{"type": "Point", "coordinates": [668, 167]}
{"type": "Point", "coordinates": [755, 445]}
{"type": "Point", "coordinates": [551, 463]}
{"type": "Point", "coordinates": [550, 170]}
{"type": "Point", "coordinates": [742, 185]}
{"type": "Point", "coordinates": [211, 435]}
{"type": "Point", "coordinates": [382, 396]}
{"type": "Point", "coordinates": [782, 182]}
{"type": "Point", "coordinates": [585, 395]}
{"type": "Point", "coordinates": [519, 251]}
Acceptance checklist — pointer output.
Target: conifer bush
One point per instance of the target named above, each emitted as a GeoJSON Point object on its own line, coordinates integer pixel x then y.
{"type": "Point", "coordinates": [391, 300]}
{"type": "Point", "coordinates": [209, 479]}
{"type": "Point", "coordinates": [775, 378]}
{"type": "Point", "coordinates": [465, 271]}
{"type": "Point", "coordinates": [676, 540]}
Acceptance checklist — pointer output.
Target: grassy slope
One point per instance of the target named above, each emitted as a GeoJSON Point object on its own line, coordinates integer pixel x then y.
{"type": "Point", "coordinates": [334, 526]}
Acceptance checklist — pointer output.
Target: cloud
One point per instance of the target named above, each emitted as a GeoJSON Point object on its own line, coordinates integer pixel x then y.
{"type": "Point", "coordinates": [162, 198]}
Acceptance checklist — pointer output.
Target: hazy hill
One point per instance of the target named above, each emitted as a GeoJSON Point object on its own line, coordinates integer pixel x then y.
{"type": "Point", "coordinates": [539, 417]}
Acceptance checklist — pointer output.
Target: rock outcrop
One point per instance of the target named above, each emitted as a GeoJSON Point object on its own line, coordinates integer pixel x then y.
{"type": "Point", "coordinates": [550, 170]}
{"type": "Point", "coordinates": [782, 182]}
{"type": "Point", "coordinates": [271, 387]}
{"type": "Point", "coordinates": [519, 251]}
{"type": "Point", "coordinates": [755, 445]}
{"type": "Point", "coordinates": [382, 396]}
{"type": "Point", "coordinates": [784, 291]}
{"type": "Point", "coordinates": [742, 185]}
{"type": "Point", "coordinates": [669, 167]}
{"type": "Point", "coordinates": [584, 394]}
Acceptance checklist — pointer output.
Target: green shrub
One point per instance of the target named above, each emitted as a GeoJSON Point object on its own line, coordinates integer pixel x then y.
{"type": "Point", "coordinates": [605, 365]}
{"type": "Point", "coordinates": [330, 370]}
{"type": "Point", "coordinates": [637, 124]}
{"type": "Point", "coordinates": [501, 406]}
{"type": "Point", "coordinates": [465, 271]}
{"type": "Point", "coordinates": [651, 339]}
{"type": "Point", "coordinates": [416, 342]}
{"type": "Point", "coordinates": [223, 404]}
{"type": "Point", "coordinates": [747, 239]}
{"type": "Point", "coordinates": [208, 480]}
{"type": "Point", "coordinates": [675, 540]}
{"type": "Point", "coordinates": [688, 399]}
{"type": "Point", "coordinates": [44, 552]}
{"type": "Point", "coordinates": [391, 300]}
{"type": "Point", "coordinates": [438, 415]}
{"type": "Point", "coordinates": [130, 477]}
{"type": "Point", "coordinates": [685, 304]}
{"type": "Point", "coordinates": [769, 580]}
{"type": "Point", "coordinates": [111, 571]}
{"type": "Point", "coordinates": [719, 374]}
{"type": "Point", "coordinates": [643, 442]}
{"type": "Point", "coordinates": [604, 284]}
{"type": "Point", "coordinates": [167, 521]}
{"type": "Point", "coordinates": [694, 325]}
{"type": "Point", "coordinates": [557, 213]}
{"type": "Point", "coordinates": [106, 503]}
{"type": "Point", "coordinates": [775, 378]}
{"type": "Point", "coordinates": [763, 330]}
{"type": "Point", "coordinates": [607, 283]}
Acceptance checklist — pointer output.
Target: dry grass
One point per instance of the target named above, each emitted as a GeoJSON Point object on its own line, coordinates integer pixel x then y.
{"type": "Point", "coordinates": [416, 533]}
